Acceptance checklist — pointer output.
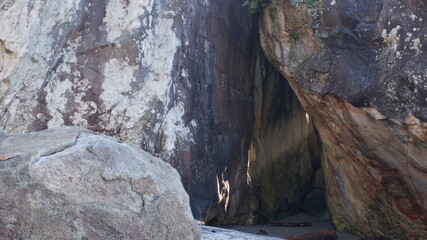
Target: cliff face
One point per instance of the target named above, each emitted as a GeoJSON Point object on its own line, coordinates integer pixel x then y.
{"type": "Point", "coordinates": [282, 157]}
{"type": "Point", "coordinates": [185, 81]}
{"type": "Point", "coordinates": [173, 77]}
{"type": "Point", "coordinates": [358, 68]}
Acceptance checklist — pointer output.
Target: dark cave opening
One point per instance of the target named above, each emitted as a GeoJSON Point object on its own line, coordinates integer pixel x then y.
{"type": "Point", "coordinates": [284, 164]}
{"type": "Point", "coordinates": [284, 171]}
{"type": "Point", "coordinates": [276, 171]}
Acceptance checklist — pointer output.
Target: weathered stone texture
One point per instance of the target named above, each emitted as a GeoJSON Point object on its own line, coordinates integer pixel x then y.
{"type": "Point", "coordinates": [280, 167]}
{"type": "Point", "coordinates": [359, 71]}
{"type": "Point", "coordinates": [170, 76]}
{"type": "Point", "coordinates": [68, 183]}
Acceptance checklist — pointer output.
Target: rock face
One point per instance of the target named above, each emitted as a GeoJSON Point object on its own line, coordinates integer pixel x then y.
{"type": "Point", "coordinates": [69, 183]}
{"type": "Point", "coordinates": [171, 76]}
{"type": "Point", "coordinates": [358, 68]}
{"type": "Point", "coordinates": [281, 166]}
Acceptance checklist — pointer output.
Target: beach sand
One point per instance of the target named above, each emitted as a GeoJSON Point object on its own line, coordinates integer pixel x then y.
{"type": "Point", "coordinates": [268, 232]}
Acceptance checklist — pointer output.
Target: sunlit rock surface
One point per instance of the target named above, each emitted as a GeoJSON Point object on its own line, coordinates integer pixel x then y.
{"type": "Point", "coordinates": [69, 183]}
{"type": "Point", "coordinates": [359, 69]}
{"type": "Point", "coordinates": [173, 77]}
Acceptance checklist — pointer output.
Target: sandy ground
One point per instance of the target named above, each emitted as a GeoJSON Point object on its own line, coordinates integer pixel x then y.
{"type": "Point", "coordinates": [214, 233]}
{"type": "Point", "coordinates": [264, 232]}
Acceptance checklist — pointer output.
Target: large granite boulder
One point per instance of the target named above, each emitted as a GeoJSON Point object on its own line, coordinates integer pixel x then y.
{"type": "Point", "coordinates": [173, 77]}
{"type": "Point", "coordinates": [359, 69]}
{"type": "Point", "coordinates": [69, 183]}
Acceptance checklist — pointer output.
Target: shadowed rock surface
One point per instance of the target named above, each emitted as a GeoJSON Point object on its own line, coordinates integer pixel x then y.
{"type": "Point", "coordinates": [173, 77]}
{"type": "Point", "coordinates": [69, 183]}
{"type": "Point", "coordinates": [185, 81]}
{"type": "Point", "coordinates": [316, 225]}
{"type": "Point", "coordinates": [282, 156]}
{"type": "Point", "coordinates": [324, 235]}
{"type": "Point", "coordinates": [358, 68]}
{"type": "Point", "coordinates": [214, 233]}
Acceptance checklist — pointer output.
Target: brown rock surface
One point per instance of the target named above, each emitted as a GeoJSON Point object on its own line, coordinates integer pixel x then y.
{"type": "Point", "coordinates": [280, 167]}
{"type": "Point", "coordinates": [358, 68]}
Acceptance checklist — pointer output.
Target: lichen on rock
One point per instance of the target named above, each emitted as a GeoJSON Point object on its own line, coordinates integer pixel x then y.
{"type": "Point", "coordinates": [361, 77]}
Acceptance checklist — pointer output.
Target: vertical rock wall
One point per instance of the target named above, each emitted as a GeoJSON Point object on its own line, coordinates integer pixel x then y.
{"type": "Point", "coordinates": [174, 77]}
{"type": "Point", "coordinates": [171, 76]}
{"type": "Point", "coordinates": [280, 168]}
{"type": "Point", "coordinates": [221, 64]}
{"type": "Point", "coordinates": [359, 69]}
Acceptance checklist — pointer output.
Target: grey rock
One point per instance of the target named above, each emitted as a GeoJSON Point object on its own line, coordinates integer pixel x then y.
{"type": "Point", "coordinates": [174, 77]}
{"type": "Point", "coordinates": [69, 183]}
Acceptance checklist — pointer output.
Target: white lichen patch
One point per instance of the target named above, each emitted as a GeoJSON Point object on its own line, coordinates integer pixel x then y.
{"type": "Point", "coordinates": [55, 14]}
{"type": "Point", "coordinates": [86, 108]}
{"type": "Point", "coordinates": [33, 22]}
{"type": "Point", "coordinates": [391, 90]}
{"type": "Point", "coordinates": [83, 109]}
{"type": "Point", "coordinates": [18, 20]}
{"type": "Point", "coordinates": [69, 57]}
{"type": "Point", "coordinates": [121, 16]}
{"type": "Point", "coordinates": [174, 128]}
{"type": "Point", "coordinates": [184, 73]}
{"type": "Point", "coordinates": [135, 94]}
{"type": "Point", "coordinates": [156, 55]}
{"type": "Point", "coordinates": [117, 82]}
{"type": "Point", "coordinates": [418, 80]}
{"type": "Point", "coordinates": [392, 37]}
{"type": "Point", "coordinates": [56, 100]}
{"type": "Point", "coordinates": [27, 29]}
{"type": "Point", "coordinates": [416, 45]}
{"type": "Point", "coordinates": [408, 36]}
{"type": "Point", "coordinates": [61, 93]}
{"type": "Point", "coordinates": [134, 108]}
